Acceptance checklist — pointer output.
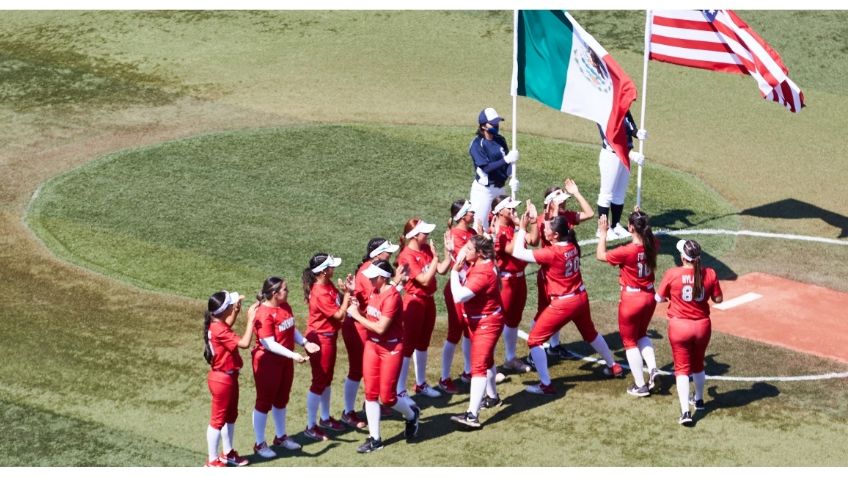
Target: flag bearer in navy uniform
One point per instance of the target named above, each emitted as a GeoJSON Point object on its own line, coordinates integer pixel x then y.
{"type": "Point", "coordinates": [615, 176]}
{"type": "Point", "coordinates": [492, 165]}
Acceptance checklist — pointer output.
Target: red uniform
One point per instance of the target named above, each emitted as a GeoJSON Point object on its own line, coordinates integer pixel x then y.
{"type": "Point", "coordinates": [353, 333]}
{"type": "Point", "coordinates": [272, 373]}
{"type": "Point", "coordinates": [637, 304]}
{"type": "Point", "coordinates": [223, 377]}
{"type": "Point", "coordinates": [689, 327]}
{"type": "Point", "coordinates": [513, 283]}
{"type": "Point", "coordinates": [456, 325]}
{"type": "Point", "coordinates": [543, 300]}
{"type": "Point", "coordinates": [383, 357]}
{"type": "Point", "coordinates": [324, 301]}
{"type": "Point", "coordinates": [484, 315]}
{"type": "Point", "coordinates": [419, 307]}
{"type": "Point", "coordinates": [567, 294]}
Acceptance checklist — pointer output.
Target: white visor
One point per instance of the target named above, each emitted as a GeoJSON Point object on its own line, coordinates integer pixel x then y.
{"type": "Point", "coordinates": [420, 228]}
{"type": "Point", "coordinates": [375, 271]}
{"type": "Point", "coordinates": [330, 262]}
{"type": "Point", "coordinates": [507, 203]}
{"type": "Point", "coordinates": [231, 299]}
{"type": "Point", "coordinates": [384, 247]}
{"type": "Point", "coordinates": [557, 197]}
{"type": "Point", "coordinates": [464, 210]}
{"type": "Point", "coordinates": [680, 244]}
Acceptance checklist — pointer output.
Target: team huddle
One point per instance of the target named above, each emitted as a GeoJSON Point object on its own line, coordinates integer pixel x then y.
{"type": "Point", "coordinates": [386, 313]}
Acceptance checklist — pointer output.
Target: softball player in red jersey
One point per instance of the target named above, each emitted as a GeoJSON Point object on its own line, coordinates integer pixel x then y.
{"type": "Point", "coordinates": [221, 352]}
{"type": "Point", "coordinates": [555, 200]}
{"type": "Point", "coordinates": [420, 259]}
{"type": "Point", "coordinates": [689, 288]}
{"type": "Point", "coordinates": [513, 285]}
{"type": "Point", "coordinates": [273, 363]}
{"type": "Point", "coordinates": [327, 309]}
{"type": "Point", "coordinates": [383, 357]}
{"type": "Point", "coordinates": [460, 230]}
{"type": "Point", "coordinates": [484, 314]}
{"type": "Point", "coordinates": [569, 301]}
{"type": "Point", "coordinates": [637, 262]}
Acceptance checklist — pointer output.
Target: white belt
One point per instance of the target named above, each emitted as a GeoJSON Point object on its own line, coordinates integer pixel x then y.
{"type": "Point", "coordinates": [637, 289]}
{"type": "Point", "coordinates": [569, 295]}
{"type": "Point", "coordinates": [377, 340]}
{"type": "Point", "coordinates": [510, 275]}
{"type": "Point", "coordinates": [477, 317]}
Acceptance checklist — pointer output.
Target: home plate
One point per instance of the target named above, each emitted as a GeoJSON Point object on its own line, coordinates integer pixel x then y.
{"type": "Point", "coordinates": [774, 310]}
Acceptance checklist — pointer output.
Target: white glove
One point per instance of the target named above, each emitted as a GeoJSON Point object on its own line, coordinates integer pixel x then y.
{"type": "Point", "coordinates": [641, 134]}
{"type": "Point", "coordinates": [637, 157]}
{"type": "Point", "coordinates": [511, 157]}
{"type": "Point", "coordinates": [513, 184]}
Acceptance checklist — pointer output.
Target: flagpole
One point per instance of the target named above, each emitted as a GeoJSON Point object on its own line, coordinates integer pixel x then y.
{"type": "Point", "coordinates": [644, 96]}
{"type": "Point", "coordinates": [514, 92]}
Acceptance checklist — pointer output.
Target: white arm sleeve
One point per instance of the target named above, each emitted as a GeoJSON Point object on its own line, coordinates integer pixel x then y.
{"type": "Point", "coordinates": [271, 345]}
{"type": "Point", "coordinates": [460, 293]}
{"type": "Point", "coordinates": [298, 338]}
{"type": "Point", "coordinates": [658, 298]}
{"type": "Point", "coordinates": [521, 252]}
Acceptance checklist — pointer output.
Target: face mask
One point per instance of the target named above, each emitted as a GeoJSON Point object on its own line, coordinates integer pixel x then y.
{"type": "Point", "coordinates": [493, 130]}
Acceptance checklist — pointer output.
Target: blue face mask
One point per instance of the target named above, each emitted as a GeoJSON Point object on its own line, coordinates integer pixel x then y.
{"type": "Point", "coordinates": [493, 130]}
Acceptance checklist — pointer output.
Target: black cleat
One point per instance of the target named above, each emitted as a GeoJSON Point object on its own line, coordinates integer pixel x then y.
{"type": "Point", "coordinates": [370, 445]}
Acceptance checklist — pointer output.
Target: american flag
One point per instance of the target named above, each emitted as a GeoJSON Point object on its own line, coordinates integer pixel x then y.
{"type": "Point", "coordinates": [719, 40]}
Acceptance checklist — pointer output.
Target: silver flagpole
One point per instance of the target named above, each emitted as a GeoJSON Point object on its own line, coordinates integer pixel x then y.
{"type": "Point", "coordinates": [644, 96]}
{"type": "Point", "coordinates": [514, 91]}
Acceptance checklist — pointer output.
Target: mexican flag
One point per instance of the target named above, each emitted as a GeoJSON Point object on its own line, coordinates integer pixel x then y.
{"type": "Point", "coordinates": [560, 65]}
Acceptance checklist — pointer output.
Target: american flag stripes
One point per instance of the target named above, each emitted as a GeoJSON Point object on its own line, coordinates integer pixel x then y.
{"type": "Point", "coordinates": [719, 40]}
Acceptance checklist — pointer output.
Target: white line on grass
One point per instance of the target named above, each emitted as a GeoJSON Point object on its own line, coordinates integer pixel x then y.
{"type": "Point", "coordinates": [749, 233]}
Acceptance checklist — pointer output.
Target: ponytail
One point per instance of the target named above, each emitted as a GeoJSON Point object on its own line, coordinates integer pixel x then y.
{"type": "Point", "coordinates": [407, 227]}
{"type": "Point", "coordinates": [215, 302]}
{"type": "Point", "coordinates": [308, 278]}
{"type": "Point", "coordinates": [693, 250]}
{"type": "Point", "coordinates": [640, 222]}
{"type": "Point", "coordinates": [559, 225]}
{"type": "Point", "coordinates": [271, 286]}
{"type": "Point", "coordinates": [372, 245]}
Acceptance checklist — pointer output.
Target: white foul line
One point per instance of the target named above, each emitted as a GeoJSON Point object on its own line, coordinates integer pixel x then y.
{"type": "Point", "coordinates": [739, 300]}
{"type": "Point", "coordinates": [748, 233]}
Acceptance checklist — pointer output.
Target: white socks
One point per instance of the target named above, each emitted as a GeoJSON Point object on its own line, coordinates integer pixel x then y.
{"type": "Point", "coordinates": [279, 422]}
{"type": "Point", "coordinates": [227, 436]}
{"type": "Point", "coordinates": [491, 384]}
{"type": "Point", "coordinates": [312, 402]}
{"type": "Point", "coordinates": [683, 392]}
{"type": "Point", "coordinates": [403, 377]}
{"type": "Point", "coordinates": [325, 404]}
{"type": "Point", "coordinates": [475, 397]}
{"type": "Point", "coordinates": [212, 437]}
{"type": "Point", "coordinates": [259, 420]}
{"type": "Point", "coordinates": [466, 354]}
{"type": "Point", "coordinates": [554, 341]}
{"type": "Point", "coordinates": [699, 379]}
{"type": "Point", "coordinates": [540, 359]}
{"type": "Point", "coordinates": [647, 350]}
{"type": "Point", "coordinates": [447, 358]}
{"type": "Point", "coordinates": [601, 347]}
{"type": "Point", "coordinates": [372, 414]}
{"type": "Point", "coordinates": [420, 367]}
{"type": "Point", "coordinates": [510, 336]}
{"type": "Point", "coordinates": [634, 360]}
{"type": "Point", "coordinates": [350, 389]}
{"type": "Point", "coordinates": [402, 406]}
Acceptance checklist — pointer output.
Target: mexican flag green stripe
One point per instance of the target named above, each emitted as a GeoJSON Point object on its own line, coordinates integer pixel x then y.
{"type": "Point", "coordinates": [543, 56]}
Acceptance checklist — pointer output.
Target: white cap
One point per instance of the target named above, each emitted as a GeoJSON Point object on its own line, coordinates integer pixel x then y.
{"type": "Point", "coordinates": [420, 228]}
{"type": "Point", "coordinates": [680, 244]}
{"type": "Point", "coordinates": [231, 299]}
{"type": "Point", "coordinates": [489, 115]}
{"type": "Point", "coordinates": [375, 271]}
{"type": "Point", "coordinates": [384, 247]}
{"type": "Point", "coordinates": [507, 203]}
{"type": "Point", "coordinates": [557, 197]}
{"type": "Point", "coordinates": [466, 207]}
{"type": "Point", "coordinates": [329, 262]}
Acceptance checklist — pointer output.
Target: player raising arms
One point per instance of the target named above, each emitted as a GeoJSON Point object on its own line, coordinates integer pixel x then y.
{"type": "Point", "coordinates": [637, 262]}
{"type": "Point", "coordinates": [569, 301]}
{"type": "Point", "coordinates": [689, 288]}
{"type": "Point", "coordinates": [460, 230]}
{"type": "Point", "coordinates": [273, 363]}
{"type": "Point", "coordinates": [327, 309]}
{"type": "Point", "coordinates": [221, 352]}
{"type": "Point", "coordinates": [481, 301]}
{"type": "Point", "coordinates": [419, 258]}
{"type": "Point", "coordinates": [382, 356]}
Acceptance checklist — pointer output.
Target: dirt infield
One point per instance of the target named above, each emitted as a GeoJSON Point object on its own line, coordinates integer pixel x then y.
{"type": "Point", "coordinates": [782, 312]}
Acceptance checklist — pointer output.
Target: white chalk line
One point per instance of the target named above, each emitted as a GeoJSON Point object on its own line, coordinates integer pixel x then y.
{"type": "Point", "coordinates": [749, 379]}
{"type": "Point", "coordinates": [748, 233]}
{"type": "Point", "coordinates": [739, 300]}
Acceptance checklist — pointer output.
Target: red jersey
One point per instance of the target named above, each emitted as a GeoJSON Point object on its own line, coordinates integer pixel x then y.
{"type": "Point", "coordinates": [561, 264]}
{"type": "Point", "coordinates": [275, 322]}
{"type": "Point", "coordinates": [482, 279]}
{"type": "Point", "coordinates": [362, 287]}
{"type": "Point", "coordinates": [677, 285]}
{"type": "Point", "coordinates": [505, 261]}
{"type": "Point", "coordinates": [460, 236]}
{"type": "Point", "coordinates": [224, 344]}
{"type": "Point", "coordinates": [417, 261]}
{"type": "Point", "coordinates": [571, 216]}
{"type": "Point", "coordinates": [324, 302]}
{"type": "Point", "coordinates": [630, 259]}
{"type": "Point", "coordinates": [388, 304]}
